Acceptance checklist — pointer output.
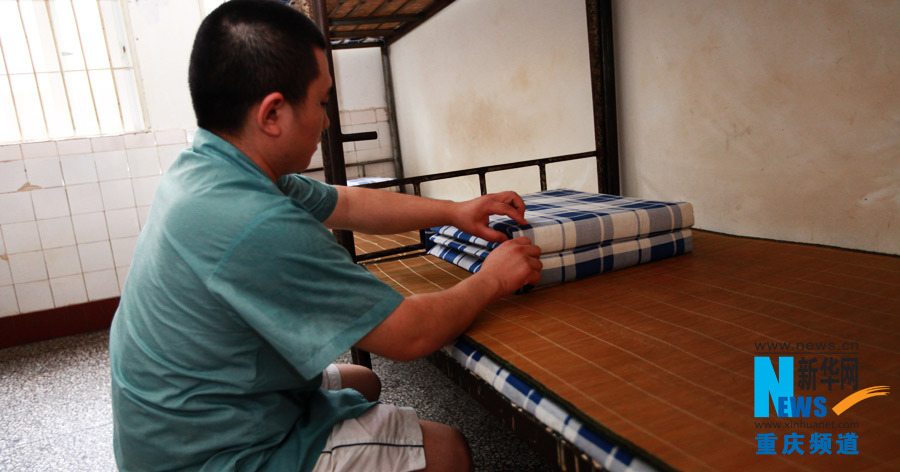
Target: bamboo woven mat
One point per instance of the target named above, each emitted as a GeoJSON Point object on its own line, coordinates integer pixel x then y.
{"type": "Point", "coordinates": [366, 243]}
{"type": "Point", "coordinates": [661, 355]}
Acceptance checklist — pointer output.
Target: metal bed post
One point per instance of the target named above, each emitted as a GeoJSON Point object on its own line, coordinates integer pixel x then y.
{"type": "Point", "coordinates": [600, 43]}
{"type": "Point", "coordinates": [603, 91]}
{"type": "Point", "coordinates": [392, 111]}
{"type": "Point", "coordinates": [359, 26]}
{"type": "Point", "coordinates": [333, 152]}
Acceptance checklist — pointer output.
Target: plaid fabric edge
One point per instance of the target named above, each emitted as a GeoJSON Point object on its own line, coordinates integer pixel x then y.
{"type": "Point", "coordinates": [367, 180]}
{"type": "Point", "coordinates": [565, 266]}
{"type": "Point", "coordinates": [601, 449]}
{"type": "Point", "coordinates": [454, 233]}
{"type": "Point", "coordinates": [565, 219]}
{"type": "Point", "coordinates": [466, 261]}
{"type": "Point", "coordinates": [471, 249]}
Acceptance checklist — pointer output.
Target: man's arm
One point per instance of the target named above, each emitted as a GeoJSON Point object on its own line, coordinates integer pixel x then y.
{"type": "Point", "coordinates": [380, 212]}
{"type": "Point", "coordinates": [423, 323]}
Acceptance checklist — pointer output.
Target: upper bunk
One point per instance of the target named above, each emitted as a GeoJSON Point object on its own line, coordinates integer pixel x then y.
{"type": "Point", "coordinates": [362, 23]}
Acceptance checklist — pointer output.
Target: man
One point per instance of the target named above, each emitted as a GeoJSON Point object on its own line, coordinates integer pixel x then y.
{"type": "Point", "coordinates": [239, 298]}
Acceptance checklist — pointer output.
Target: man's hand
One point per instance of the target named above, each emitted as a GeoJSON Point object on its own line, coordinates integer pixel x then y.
{"type": "Point", "coordinates": [380, 212]}
{"type": "Point", "coordinates": [473, 216]}
{"type": "Point", "coordinates": [512, 265]}
{"type": "Point", "coordinates": [423, 323]}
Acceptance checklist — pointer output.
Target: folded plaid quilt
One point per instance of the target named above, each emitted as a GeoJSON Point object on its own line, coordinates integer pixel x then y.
{"type": "Point", "coordinates": [571, 264]}
{"type": "Point", "coordinates": [566, 219]}
{"type": "Point", "coordinates": [367, 180]}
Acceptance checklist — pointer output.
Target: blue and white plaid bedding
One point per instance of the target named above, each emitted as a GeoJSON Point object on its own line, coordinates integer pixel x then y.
{"type": "Point", "coordinates": [367, 180]}
{"type": "Point", "coordinates": [567, 219]}
{"type": "Point", "coordinates": [568, 265]}
{"type": "Point", "coordinates": [597, 446]}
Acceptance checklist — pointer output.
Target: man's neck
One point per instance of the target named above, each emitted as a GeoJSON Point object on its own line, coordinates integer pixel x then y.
{"type": "Point", "coordinates": [253, 150]}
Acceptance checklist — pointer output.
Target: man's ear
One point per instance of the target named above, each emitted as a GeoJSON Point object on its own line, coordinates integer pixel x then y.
{"type": "Point", "coordinates": [269, 113]}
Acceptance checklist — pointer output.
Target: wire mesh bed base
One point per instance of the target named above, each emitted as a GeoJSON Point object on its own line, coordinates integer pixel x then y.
{"type": "Point", "coordinates": [658, 360]}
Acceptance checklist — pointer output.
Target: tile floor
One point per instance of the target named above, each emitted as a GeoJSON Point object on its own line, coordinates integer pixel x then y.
{"type": "Point", "coordinates": [55, 413]}
{"type": "Point", "coordinates": [54, 406]}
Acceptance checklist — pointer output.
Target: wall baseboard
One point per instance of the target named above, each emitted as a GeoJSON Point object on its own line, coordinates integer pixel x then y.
{"type": "Point", "coordinates": [57, 322]}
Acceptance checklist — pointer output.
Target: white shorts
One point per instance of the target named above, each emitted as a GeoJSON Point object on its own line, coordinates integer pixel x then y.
{"type": "Point", "coordinates": [385, 438]}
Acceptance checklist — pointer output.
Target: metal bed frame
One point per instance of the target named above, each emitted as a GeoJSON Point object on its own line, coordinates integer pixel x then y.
{"type": "Point", "coordinates": [550, 445]}
{"type": "Point", "coordinates": [334, 17]}
{"type": "Point", "coordinates": [334, 23]}
{"type": "Point", "coordinates": [600, 42]}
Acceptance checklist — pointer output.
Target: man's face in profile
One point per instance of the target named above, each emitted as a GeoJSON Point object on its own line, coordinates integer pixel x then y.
{"type": "Point", "coordinates": [309, 117]}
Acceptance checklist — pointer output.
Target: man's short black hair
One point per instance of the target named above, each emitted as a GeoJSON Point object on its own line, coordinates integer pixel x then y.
{"type": "Point", "coordinates": [245, 50]}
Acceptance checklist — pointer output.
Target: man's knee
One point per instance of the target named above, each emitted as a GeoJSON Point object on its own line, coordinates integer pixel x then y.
{"type": "Point", "coordinates": [446, 449]}
{"type": "Point", "coordinates": [361, 379]}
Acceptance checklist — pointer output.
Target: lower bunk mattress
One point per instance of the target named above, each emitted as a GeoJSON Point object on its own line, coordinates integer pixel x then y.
{"type": "Point", "coordinates": [654, 366]}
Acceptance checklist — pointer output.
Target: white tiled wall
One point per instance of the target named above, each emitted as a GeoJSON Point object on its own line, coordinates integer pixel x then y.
{"type": "Point", "coordinates": [70, 214]}
{"type": "Point", "coordinates": [71, 211]}
{"type": "Point", "coordinates": [358, 121]}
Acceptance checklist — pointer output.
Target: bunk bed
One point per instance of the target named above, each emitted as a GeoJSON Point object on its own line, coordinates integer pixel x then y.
{"type": "Point", "coordinates": [652, 367]}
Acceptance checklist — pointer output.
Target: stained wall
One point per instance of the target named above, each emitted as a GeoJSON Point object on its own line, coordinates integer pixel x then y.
{"type": "Point", "coordinates": [490, 82]}
{"type": "Point", "coordinates": [775, 119]}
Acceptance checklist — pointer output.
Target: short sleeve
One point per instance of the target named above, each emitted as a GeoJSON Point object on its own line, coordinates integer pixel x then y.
{"type": "Point", "coordinates": [297, 288]}
{"type": "Point", "coordinates": [317, 198]}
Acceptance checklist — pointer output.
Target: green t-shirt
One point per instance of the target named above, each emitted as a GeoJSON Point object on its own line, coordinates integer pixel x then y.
{"type": "Point", "coordinates": [237, 299]}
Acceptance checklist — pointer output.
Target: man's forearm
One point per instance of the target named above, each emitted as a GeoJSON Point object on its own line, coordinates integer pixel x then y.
{"type": "Point", "coordinates": [380, 212]}
{"type": "Point", "coordinates": [424, 323]}
{"type": "Point", "coordinates": [454, 311]}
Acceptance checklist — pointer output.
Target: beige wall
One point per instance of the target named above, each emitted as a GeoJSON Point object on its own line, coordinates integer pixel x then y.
{"type": "Point", "coordinates": [163, 32]}
{"type": "Point", "coordinates": [776, 119]}
{"type": "Point", "coordinates": [495, 81]}
{"type": "Point", "coordinates": [361, 99]}
{"type": "Point", "coordinates": [359, 78]}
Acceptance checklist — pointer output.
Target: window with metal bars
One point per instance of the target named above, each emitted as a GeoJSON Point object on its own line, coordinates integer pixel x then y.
{"type": "Point", "coordinates": [66, 70]}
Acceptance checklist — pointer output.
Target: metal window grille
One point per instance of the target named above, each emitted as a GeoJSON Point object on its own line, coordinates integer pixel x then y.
{"type": "Point", "coordinates": [66, 70]}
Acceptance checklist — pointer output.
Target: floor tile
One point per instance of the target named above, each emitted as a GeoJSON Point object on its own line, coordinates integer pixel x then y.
{"type": "Point", "coordinates": [55, 412]}
{"type": "Point", "coordinates": [89, 450]}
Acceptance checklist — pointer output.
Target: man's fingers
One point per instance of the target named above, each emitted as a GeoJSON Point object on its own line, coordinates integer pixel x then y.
{"type": "Point", "coordinates": [517, 202]}
{"type": "Point", "coordinates": [532, 254]}
{"type": "Point", "coordinates": [516, 262]}
{"type": "Point", "coordinates": [493, 235]}
{"type": "Point", "coordinates": [501, 208]}
{"type": "Point", "coordinates": [532, 250]}
{"type": "Point", "coordinates": [512, 198]}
